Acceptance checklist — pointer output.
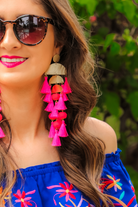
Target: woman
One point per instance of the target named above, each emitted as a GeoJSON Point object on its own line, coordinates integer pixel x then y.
{"type": "Point", "coordinates": [43, 56]}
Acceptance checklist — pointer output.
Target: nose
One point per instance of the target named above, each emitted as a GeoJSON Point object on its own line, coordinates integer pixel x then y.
{"type": "Point", "coordinates": [9, 40]}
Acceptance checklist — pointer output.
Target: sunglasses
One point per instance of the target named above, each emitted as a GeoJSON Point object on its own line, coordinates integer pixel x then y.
{"type": "Point", "coordinates": [29, 29]}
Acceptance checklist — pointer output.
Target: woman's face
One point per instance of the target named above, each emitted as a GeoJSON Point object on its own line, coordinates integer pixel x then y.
{"type": "Point", "coordinates": [39, 56]}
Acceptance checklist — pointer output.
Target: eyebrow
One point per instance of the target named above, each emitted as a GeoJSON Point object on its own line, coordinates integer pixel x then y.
{"type": "Point", "coordinates": [15, 17]}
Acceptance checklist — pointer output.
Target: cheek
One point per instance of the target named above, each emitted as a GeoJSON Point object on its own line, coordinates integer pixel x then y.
{"type": "Point", "coordinates": [39, 60]}
{"type": "Point", "coordinates": [44, 54]}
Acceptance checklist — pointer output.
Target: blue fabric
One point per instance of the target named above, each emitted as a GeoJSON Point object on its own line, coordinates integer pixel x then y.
{"type": "Point", "coordinates": [116, 181]}
{"type": "Point", "coordinates": [46, 186]}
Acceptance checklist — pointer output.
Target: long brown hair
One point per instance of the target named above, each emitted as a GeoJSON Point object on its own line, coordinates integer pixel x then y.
{"type": "Point", "coordinates": [81, 155]}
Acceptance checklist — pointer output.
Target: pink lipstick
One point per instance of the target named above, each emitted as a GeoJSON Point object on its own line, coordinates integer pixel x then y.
{"type": "Point", "coordinates": [12, 61]}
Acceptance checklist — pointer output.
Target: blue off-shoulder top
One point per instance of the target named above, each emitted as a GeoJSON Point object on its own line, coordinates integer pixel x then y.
{"type": "Point", "coordinates": [46, 186]}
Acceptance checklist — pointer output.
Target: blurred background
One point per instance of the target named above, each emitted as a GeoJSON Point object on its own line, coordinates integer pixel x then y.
{"type": "Point", "coordinates": [111, 27]}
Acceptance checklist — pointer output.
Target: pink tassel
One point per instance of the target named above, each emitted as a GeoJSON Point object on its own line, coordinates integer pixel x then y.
{"type": "Point", "coordinates": [1, 117]}
{"type": "Point", "coordinates": [60, 104]}
{"type": "Point", "coordinates": [63, 131]}
{"type": "Point", "coordinates": [65, 98]}
{"type": "Point", "coordinates": [56, 104]}
{"type": "Point", "coordinates": [50, 107]}
{"type": "Point", "coordinates": [1, 133]}
{"type": "Point", "coordinates": [52, 131]}
{"type": "Point", "coordinates": [66, 87]}
{"type": "Point", "coordinates": [46, 87]}
{"type": "Point", "coordinates": [56, 140]}
{"type": "Point", "coordinates": [54, 114]}
{"type": "Point", "coordinates": [48, 98]}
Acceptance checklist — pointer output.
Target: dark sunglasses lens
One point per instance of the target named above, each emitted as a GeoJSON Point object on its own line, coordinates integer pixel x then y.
{"type": "Point", "coordinates": [2, 29]}
{"type": "Point", "coordinates": [30, 29]}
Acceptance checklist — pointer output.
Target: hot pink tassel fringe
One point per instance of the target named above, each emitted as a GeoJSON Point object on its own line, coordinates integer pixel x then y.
{"type": "Point", "coordinates": [1, 117]}
{"type": "Point", "coordinates": [50, 107]}
{"type": "Point", "coordinates": [65, 98]}
{"type": "Point", "coordinates": [63, 131]}
{"type": "Point", "coordinates": [60, 104]}
{"type": "Point", "coordinates": [48, 98]}
{"type": "Point", "coordinates": [54, 114]}
{"type": "Point", "coordinates": [56, 140]}
{"type": "Point", "coordinates": [66, 87]}
{"type": "Point", "coordinates": [1, 133]}
{"type": "Point", "coordinates": [46, 87]}
{"type": "Point", "coordinates": [52, 131]}
{"type": "Point", "coordinates": [56, 131]}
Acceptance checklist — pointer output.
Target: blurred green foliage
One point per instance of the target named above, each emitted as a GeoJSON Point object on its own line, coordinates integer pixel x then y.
{"type": "Point", "coordinates": [134, 178]}
{"type": "Point", "coordinates": [113, 37]}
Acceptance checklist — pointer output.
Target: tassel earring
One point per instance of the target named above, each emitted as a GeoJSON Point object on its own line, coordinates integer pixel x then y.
{"type": "Point", "coordinates": [56, 89]}
{"type": "Point", "coordinates": [2, 135]}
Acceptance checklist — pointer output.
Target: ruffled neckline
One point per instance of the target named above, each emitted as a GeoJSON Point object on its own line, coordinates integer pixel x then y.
{"type": "Point", "coordinates": [113, 156]}
{"type": "Point", "coordinates": [56, 166]}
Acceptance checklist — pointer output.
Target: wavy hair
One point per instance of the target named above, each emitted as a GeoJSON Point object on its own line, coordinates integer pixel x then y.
{"type": "Point", "coordinates": [81, 155]}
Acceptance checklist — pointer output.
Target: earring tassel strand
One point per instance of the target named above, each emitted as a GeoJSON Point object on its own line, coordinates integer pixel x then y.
{"type": "Point", "coordinates": [2, 135]}
{"type": "Point", "coordinates": [56, 90]}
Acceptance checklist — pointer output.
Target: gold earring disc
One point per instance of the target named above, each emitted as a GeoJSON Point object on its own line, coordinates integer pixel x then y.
{"type": "Point", "coordinates": [56, 58]}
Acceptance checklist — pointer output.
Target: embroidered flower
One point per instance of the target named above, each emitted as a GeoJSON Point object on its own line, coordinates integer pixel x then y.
{"type": "Point", "coordinates": [89, 205]}
{"type": "Point", "coordinates": [25, 202]}
{"type": "Point", "coordinates": [7, 195]}
{"type": "Point", "coordinates": [111, 182]}
{"type": "Point", "coordinates": [120, 200]}
{"type": "Point", "coordinates": [132, 187]}
{"type": "Point", "coordinates": [66, 190]}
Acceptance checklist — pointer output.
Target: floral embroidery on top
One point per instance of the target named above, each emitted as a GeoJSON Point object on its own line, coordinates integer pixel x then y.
{"type": "Point", "coordinates": [109, 183]}
{"type": "Point", "coordinates": [120, 202]}
{"type": "Point", "coordinates": [8, 196]}
{"type": "Point", "coordinates": [132, 187]}
{"type": "Point", "coordinates": [25, 201]}
{"type": "Point", "coordinates": [67, 191]}
{"type": "Point", "coordinates": [112, 182]}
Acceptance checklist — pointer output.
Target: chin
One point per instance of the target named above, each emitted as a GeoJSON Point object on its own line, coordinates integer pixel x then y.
{"type": "Point", "coordinates": [20, 81]}
{"type": "Point", "coordinates": [12, 81]}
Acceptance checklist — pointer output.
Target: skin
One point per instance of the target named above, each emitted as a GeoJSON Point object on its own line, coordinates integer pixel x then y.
{"type": "Point", "coordinates": [21, 98]}
{"type": "Point", "coordinates": [21, 85]}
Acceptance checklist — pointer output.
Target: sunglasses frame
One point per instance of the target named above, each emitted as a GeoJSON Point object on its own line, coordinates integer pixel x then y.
{"type": "Point", "coordinates": [46, 21]}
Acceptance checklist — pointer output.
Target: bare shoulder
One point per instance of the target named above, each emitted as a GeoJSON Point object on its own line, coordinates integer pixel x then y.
{"type": "Point", "coordinates": [103, 131]}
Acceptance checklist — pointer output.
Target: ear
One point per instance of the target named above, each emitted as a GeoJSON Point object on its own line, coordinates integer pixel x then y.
{"type": "Point", "coordinates": [59, 44]}
{"type": "Point", "coordinates": [57, 49]}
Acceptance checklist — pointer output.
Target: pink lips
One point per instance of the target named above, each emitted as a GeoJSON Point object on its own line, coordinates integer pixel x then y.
{"type": "Point", "coordinates": [13, 64]}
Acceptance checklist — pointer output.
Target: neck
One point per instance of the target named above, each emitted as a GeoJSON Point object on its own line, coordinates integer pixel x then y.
{"type": "Point", "coordinates": [23, 108]}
